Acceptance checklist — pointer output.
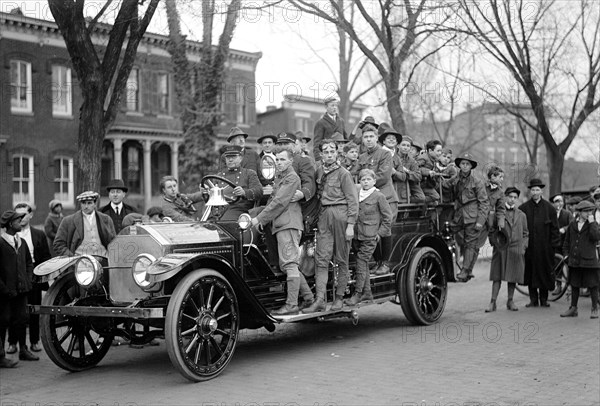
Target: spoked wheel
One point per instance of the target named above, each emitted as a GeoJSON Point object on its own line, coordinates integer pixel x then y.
{"type": "Point", "coordinates": [71, 342]}
{"type": "Point", "coordinates": [561, 279]}
{"type": "Point", "coordinates": [424, 287]}
{"type": "Point", "coordinates": [202, 325]}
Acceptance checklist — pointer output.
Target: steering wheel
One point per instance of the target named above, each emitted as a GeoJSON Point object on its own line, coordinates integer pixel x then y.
{"type": "Point", "coordinates": [207, 183]}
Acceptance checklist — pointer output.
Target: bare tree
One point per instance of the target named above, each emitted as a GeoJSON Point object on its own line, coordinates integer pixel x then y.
{"type": "Point", "coordinates": [398, 38]}
{"type": "Point", "coordinates": [552, 54]}
{"type": "Point", "coordinates": [199, 86]}
{"type": "Point", "coordinates": [102, 72]}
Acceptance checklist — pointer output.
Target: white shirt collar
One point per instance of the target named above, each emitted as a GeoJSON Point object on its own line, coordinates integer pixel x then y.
{"type": "Point", "coordinates": [117, 206]}
{"type": "Point", "coordinates": [90, 217]}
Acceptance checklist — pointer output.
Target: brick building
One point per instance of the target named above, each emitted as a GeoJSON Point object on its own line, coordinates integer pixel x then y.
{"type": "Point", "coordinates": [39, 104]}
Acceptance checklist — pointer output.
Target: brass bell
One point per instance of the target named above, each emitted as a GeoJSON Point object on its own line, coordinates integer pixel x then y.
{"type": "Point", "coordinates": [215, 197]}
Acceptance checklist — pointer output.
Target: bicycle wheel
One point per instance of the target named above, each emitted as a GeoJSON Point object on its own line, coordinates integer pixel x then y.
{"type": "Point", "coordinates": [561, 277]}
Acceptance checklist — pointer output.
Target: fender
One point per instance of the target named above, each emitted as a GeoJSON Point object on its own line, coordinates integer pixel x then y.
{"type": "Point", "coordinates": [171, 264]}
{"type": "Point", "coordinates": [405, 246]}
{"type": "Point", "coordinates": [54, 267]}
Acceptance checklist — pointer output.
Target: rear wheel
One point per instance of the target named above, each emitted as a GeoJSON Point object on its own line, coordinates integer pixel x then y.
{"type": "Point", "coordinates": [71, 342]}
{"type": "Point", "coordinates": [424, 287]}
{"type": "Point", "coordinates": [202, 325]}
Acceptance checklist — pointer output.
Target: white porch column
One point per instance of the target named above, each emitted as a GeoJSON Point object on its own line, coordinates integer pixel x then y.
{"type": "Point", "coordinates": [175, 159]}
{"type": "Point", "coordinates": [147, 174]}
{"type": "Point", "coordinates": [118, 161]}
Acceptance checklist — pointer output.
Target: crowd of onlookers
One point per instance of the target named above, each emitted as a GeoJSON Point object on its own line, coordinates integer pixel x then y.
{"type": "Point", "coordinates": [348, 187]}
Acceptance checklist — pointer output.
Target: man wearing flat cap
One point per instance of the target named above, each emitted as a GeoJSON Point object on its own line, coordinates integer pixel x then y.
{"type": "Point", "coordinates": [248, 187]}
{"type": "Point", "coordinates": [117, 209]}
{"type": "Point", "coordinates": [330, 123]}
{"type": "Point", "coordinates": [267, 143]}
{"type": "Point", "coordinates": [250, 159]}
{"type": "Point", "coordinates": [87, 231]}
{"type": "Point", "coordinates": [16, 270]}
{"type": "Point", "coordinates": [544, 242]}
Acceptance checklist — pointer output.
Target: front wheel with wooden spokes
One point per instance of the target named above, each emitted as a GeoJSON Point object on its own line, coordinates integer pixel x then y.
{"type": "Point", "coordinates": [73, 343]}
{"type": "Point", "coordinates": [202, 325]}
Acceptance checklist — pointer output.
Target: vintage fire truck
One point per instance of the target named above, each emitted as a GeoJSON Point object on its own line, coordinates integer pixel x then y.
{"type": "Point", "coordinates": [198, 283]}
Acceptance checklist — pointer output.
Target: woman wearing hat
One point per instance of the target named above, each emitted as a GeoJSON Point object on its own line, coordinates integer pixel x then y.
{"type": "Point", "coordinates": [544, 241]}
{"type": "Point", "coordinates": [508, 261]}
{"type": "Point", "coordinates": [52, 222]}
{"type": "Point", "coordinates": [580, 245]}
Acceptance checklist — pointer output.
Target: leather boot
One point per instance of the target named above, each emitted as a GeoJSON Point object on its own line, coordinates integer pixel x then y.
{"type": "Point", "coordinates": [354, 300]}
{"type": "Point", "coordinates": [285, 310]}
{"type": "Point", "coordinates": [594, 314]}
{"type": "Point", "coordinates": [572, 312]}
{"type": "Point", "coordinates": [338, 303]}
{"type": "Point", "coordinates": [463, 276]}
{"type": "Point", "coordinates": [7, 363]}
{"type": "Point", "coordinates": [384, 269]}
{"type": "Point", "coordinates": [491, 307]}
{"type": "Point", "coordinates": [510, 305]}
{"type": "Point", "coordinates": [27, 355]}
{"type": "Point", "coordinates": [318, 305]}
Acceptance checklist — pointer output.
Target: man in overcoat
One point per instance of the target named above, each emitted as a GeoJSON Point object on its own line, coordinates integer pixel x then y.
{"type": "Point", "coordinates": [544, 242]}
{"type": "Point", "coordinates": [16, 270]}
{"type": "Point", "coordinates": [38, 249]}
{"type": "Point", "coordinates": [87, 231]}
{"type": "Point", "coordinates": [117, 209]}
{"type": "Point", "coordinates": [330, 123]}
{"type": "Point", "coordinates": [285, 217]}
{"type": "Point", "coordinates": [508, 262]}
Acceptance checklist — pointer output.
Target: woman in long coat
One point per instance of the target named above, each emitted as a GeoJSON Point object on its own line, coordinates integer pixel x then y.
{"type": "Point", "coordinates": [544, 241]}
{"type": "Point", "coordinates": [508, 263]}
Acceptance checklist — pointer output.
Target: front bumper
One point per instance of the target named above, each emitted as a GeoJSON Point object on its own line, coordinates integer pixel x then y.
{"type": "Point", "coordinates": [95, 311]}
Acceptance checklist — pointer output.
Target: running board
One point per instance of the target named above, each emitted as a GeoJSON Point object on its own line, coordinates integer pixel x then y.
{"type": "Point", "coordinates": [346, 311]}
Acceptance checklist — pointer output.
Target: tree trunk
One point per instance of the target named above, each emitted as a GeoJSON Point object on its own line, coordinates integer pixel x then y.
{"type": "Point", "coordinates": [555, 162]}
{"type": "Point", "coordinates": [395, 108]}
{"type": "Point", "coordinates": [89, 142]}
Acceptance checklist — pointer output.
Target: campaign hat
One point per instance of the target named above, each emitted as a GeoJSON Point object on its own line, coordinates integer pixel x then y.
{"type": "Point", "coordinates": [465, 156]}
{"type": "Point", "coordinates": [390, 131]}
{"type": "Point", "coordinates": [512, 189]}
{"type": "Point", "coordinates": [232, 150]}
{"type": "Point", "coordinates": [9, 216]}
{"type": "Point", "coordinates": [267, 135]}
{"type": "Point", "coordinates": [234, 132]}
{"type": "Point", "coordinates": [499, 238]}
{"type": "Point", "coordinates": [368, 120]}
{"type": "Point", "coordinates": [536, 182]}
{"type": "Point", "coordinates": [116, 184]}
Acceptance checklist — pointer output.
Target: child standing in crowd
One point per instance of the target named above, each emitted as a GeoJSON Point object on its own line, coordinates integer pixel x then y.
{"type": "Point", "coordinates": [374, 222]}
{"type": "Point", "coordinates": [495, 217]}
{"type": "Point", "coordinates": [508, 262]}
{"type": "Point", "coordinates": [350, 160]}
{"type": "Point", "coordinates": [580, 245]}
{"type": "Point", "coordinates": [407, 177]}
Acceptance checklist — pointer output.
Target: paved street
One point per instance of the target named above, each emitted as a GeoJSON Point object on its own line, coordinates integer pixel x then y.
{"type": "Point", "coordinates": [529, 357]}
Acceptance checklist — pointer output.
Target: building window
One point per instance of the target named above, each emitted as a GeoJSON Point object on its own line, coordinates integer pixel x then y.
{"type": "Point", "coordinates": [23, 174]}
{"type": "Point", "coordinates": [162, 85]}
{"type": "Point", "coordinates": [132, 94]}
{"type": "Point", "coordinates": [490, 131]}
{"type": "Point", "coordinates": [20, 87]}
{"type": "Point", "coordinates": [61, 91]}
{"type": "Point", "coordinates": [132, 166]}
{"type": "Point", "coordinates": [490, 153]}
{"type": "Point", "coordinates": [241, 107]}
{"type": "Point", "coordinates": [63, 180]}
{"type": "Point", "coordinates": [501, 156]}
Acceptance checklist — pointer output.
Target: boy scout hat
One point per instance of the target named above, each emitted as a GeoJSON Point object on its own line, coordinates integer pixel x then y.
{"type": "Point", "coordinates": [390, 131]}
{"type": "Point", "coordinates": [88, 195]}
{"type": "Point", "coordinates": [466, 157]}
{"type": "Point", "coordinates": [585, 205]}
{"type": "Point", "coordinates": [499, 239]}
{"type": "Point", "coordinates": [232, 150]}
{"type": "Point", "coordinates": [266, 136]}
{"type": "Point", "coordinates": [9, 216]}
{"type": "Point", "coordinates": [234, 132]}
